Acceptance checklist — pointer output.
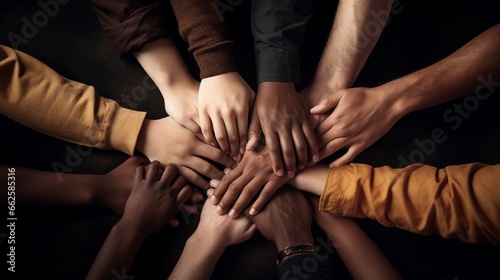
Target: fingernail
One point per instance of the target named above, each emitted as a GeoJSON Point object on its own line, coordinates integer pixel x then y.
{"type": "Point", "coordinates": [290, 174]}
{"type": "Point", "coordinates": [235, 158]}
{"type": "Point", "coordinates": [233, 214]}
{"type": "Point", "coordinates": [242, 151]}
{"type": "Point", "coordinates": [209, 192]}
{"type": "Point", "coordinates": [226, 170]}
{"type": "Point", "coordinates": [315, 158]}
{"type": "Point", "coordinates": [252, 211]}
{"type": "Point", "coordinates": [302, 167]}
{"type": "Point", "coordinates": [214, 182]}
{"type": "Point", "coordinates": [219, 210]}
{"type": "Point", "coordinates": [214, 200]}
{"type": "Point", "coordinates": [280, 172]}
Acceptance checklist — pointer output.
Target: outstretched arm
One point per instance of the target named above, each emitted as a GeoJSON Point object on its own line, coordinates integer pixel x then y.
{"type": "Point", "coordinates": [156, 197]}
{"type": "Point", "coordinates": [212, 236]}
{"type": "Point", "coordinates": [362, 115]}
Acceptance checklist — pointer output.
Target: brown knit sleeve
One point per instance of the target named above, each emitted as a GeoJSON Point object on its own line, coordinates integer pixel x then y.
{"type": "Point", "coordinates": [203, 28]}
{"type": "Point", "coordinates": [130, 24]}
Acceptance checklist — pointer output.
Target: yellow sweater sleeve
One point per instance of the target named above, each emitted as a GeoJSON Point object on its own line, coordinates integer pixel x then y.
{"type": "Point", "coordinates": [461, 201]}
{"type": "Point", "coordinates": [36, 96]}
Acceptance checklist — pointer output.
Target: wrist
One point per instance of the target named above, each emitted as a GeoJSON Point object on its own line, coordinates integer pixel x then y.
{"type": "Point", "coordinates": [208, 241]}
{"type": "Point", "coordinates": [276, 86]}
{"type": "Point", "coordinates": [293, 238]}
{"type": "Point", "coordinates": [129, 230]}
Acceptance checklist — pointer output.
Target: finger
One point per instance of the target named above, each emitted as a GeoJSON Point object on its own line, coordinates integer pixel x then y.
{"type": "Point", "coordinates": [300, 146]}
{"type": "Point", "coordinates": [346, 158]}
{"type": "Point", "coordinates": [194, 177]}
{"type": "Point", "coordinates": [168, 175]}
{"type": "Point", "coordinates": [330, 123]}
{"type": "Point", "coordinates": [206, 128]}
{"type": "Point", "coordinates": [138, 160]}
{"type": "Point", "coordinates": [139, 174]}
{"type": "Point", "coordinates": [183, 196]}
{"type": "Point", "coordinates": [326, 104]}
{"type": "Point", "coordinates": [220, 134]}
{"type": "Point", "coordinates": [179, 183]}
{"type": "Point", "coordinates": [203, 167]}
{"type": "Point", "coordinates": [332, 147]}
{"type": "Point", "coordinates": [288, 150]}
{"type": "Point", "coordinates": [265, 195]}
{"type": "Point", "coordinates": [253, 132]}
{"type": "Point", "coordinates": [192, 126]}
{"type": "Point", "coordinates": [273, 145]}
{"type": "Point", "coordinates": [233, 137]}
{"type": "Point", "coordinates": [242, 123]}
{"type": "Point", "coordinates": [312, 144]}
{"type": "Point", "coordinates": [244, 198]}
{"type": "Point", "coordinates": [173, 222]}
{"type": "Point", "coordinates": [214, 154]}
{"type": "Point", "coordinates": [223, 185]}
{"type": "Point", "coordinates": [152, 171]}
{"type": "Point", "coordinates": [196, 197]}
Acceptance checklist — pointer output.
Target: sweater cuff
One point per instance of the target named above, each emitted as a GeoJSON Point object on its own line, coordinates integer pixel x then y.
{"type": "Point", "coordinates": [216, 60]}
{"type": "Point", "coordinates": [124, 129]}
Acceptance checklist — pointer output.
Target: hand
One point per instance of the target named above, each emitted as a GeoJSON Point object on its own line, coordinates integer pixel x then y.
{"type": "Point", "coordinates": [286, 219]}
{"type": "Point", "coordinates": [113, 189]}
{"type": "Point", "coordinates": [237, 188]}
{"type": "Point", "coordinates": [181, 103]}
{"type": "Point", "coordinates": [156, 197]}
{"type": "Point", "coordinates": [224, 104]}
{"type": "Point", "coordinates": [360, 117]}
{"type": "Point", "coordinates": [284, 120]}
{"type": "Point", "coordinates": [170, 143]}
{"type": "Point", "coordinates": [222, 229]}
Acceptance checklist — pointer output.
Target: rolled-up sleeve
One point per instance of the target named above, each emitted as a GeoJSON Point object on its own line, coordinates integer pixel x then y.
{"type": "Point", "coordinates": [460, 201]}
{"type": "Point", "coordinates": [34, 95]}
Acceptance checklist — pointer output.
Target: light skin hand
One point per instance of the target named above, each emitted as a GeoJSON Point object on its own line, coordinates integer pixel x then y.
{"type": "Point", "coordinates": [252, 177]}
{"type": "Point", "coordinates": [284, 121]}
{"type": "Point", "coordinates": [286, 219]}
{"type": "Point", "coordinates": [360, 117]}
{"type": "Point", "coordinates": [170, 143]}
{"type": "Point", "coordinates": [181, 103]}
{"type": "Point", "coordinates": [224, 105]}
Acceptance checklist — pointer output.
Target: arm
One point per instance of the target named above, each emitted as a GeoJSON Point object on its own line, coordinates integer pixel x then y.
{"type": "Point", "coordinates": [36, 96]}
{"type": "Point", "coordinates": [454, 202]}
{"type": "Point", "coordinates": [224, 98]}
{"type": "Point", "coordinates": [155, 199]}
{"type": "Point", "coordinates": [348, 46]}
{"type": "Point", "coordinates": [362, 257]}
{"type": "Point", "coordinates": [471, 67]}
{"type": "Point", "coordinates": [212, 236]}
{"type": "Point", "coordinates": [279, 28]}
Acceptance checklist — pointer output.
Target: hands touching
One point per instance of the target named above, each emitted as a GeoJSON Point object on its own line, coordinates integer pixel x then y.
{"type": "Point", "coordinates": [284, 121]}
{"type": "Point", "coordinates": [168, 142]}
{"type": "Point", "coordinates": [253, 176]}
{"type": "Point", "coordinates": [224, 104]}
{"type": "Point", "coordinates": [355, 119]}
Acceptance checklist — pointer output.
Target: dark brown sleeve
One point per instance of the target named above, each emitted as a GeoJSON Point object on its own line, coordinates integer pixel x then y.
{"type": "Point", "coordinates": [203, 28]}
{"type": "Point", "coordinates": [130, 24]}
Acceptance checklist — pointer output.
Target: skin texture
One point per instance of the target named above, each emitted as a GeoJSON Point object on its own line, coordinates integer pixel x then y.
{"type": "Point", "coordinates": [156, 197]}
{"type": "Point", "coordinates": [212, 236]}
{"type": "Point", "coordinates": [224, 103]}
{"type": "Point", "coordinates": [188, 151]}
{"type": "Point", "coordinates": [280, 115]}
{"type": "Point", "coordinates": [252, 178]}
{"type": "Point", "coordinates": [362, 115]}
{"type": "Point", "coordinates": [176, 84]}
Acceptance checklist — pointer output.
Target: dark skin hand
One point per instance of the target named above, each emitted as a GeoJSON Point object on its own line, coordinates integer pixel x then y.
{"type": "Point", "coordinates": [284, 120]}
{"type": "Point", "coordinates": [286, 219]}
{"type": "Point", "coordinates": [238, 188]}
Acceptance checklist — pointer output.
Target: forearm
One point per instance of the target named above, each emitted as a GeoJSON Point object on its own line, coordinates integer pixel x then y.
{"type": "Point", "coordinates": [164, 64]}
{"type": "Point", "coordinates": [455, 202]}
{"type": "Point", "coordinates": [199, 254]}
{"type": "Point", "coordinates": [356, 29]}
{"type": "Point", "coordinates": [36, 96]}
{"type": "Point", "coordinates": [468, 69]}
{"type": "Point", "coordinates": [49, 188]}
{"type": "Point", "coordinates": [362, 257]}
{"type": "Point", "coordinates": [117, 253]}
{"type": "Point", "coordinates": [312, 179]}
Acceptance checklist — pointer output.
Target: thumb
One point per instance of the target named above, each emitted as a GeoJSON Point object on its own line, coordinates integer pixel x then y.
{"type": "Point", "coordinates": [326, 104]}
{"type": "Point", "coordinates": [253, 133]}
